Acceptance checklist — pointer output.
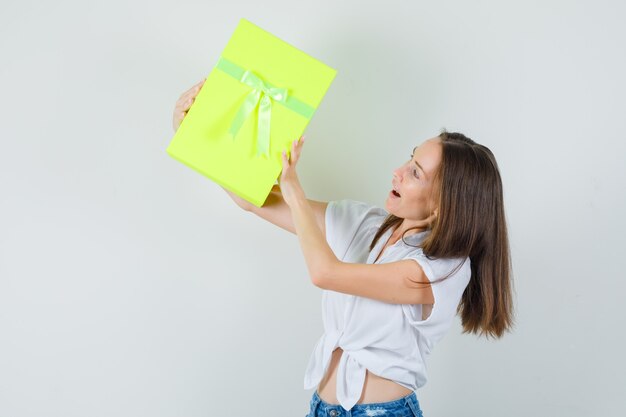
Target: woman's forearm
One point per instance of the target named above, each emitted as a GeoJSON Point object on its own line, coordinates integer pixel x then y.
{"type": "Point", "coordinates": [246, 205]}
{"type": "Point", "coordinates": [318, 255]}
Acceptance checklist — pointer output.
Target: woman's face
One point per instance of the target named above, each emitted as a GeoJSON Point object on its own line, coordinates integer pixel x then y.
{"type": "Point", "coordinates": [414, 182]}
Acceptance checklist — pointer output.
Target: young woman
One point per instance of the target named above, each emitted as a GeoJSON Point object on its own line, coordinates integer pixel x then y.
{"type": "Point", "coordinates": [393, 280]}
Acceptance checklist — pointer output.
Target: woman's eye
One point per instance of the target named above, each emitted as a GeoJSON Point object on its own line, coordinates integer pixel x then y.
{"type": "Point", "coordinates": [414, 171]}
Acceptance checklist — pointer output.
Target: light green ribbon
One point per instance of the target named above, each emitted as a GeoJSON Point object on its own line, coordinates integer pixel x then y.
{"type": "Point", "coordinates": [262, 94]}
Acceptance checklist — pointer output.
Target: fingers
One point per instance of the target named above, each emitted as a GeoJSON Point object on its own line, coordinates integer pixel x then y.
{"type": "Point", "coordinates": [193, 90]}
{"type": "Point", "coordinates": [187, 98]}
{"type": "Point", "coordinates": [184, 102]}
{"type": "Point", "coordinates": [296, 149]}
{"type": "Point", "coordinates": [285, 163]}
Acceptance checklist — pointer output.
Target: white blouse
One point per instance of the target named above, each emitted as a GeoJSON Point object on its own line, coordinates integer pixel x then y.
{"type": "Point", "coordinates": [389, 340]}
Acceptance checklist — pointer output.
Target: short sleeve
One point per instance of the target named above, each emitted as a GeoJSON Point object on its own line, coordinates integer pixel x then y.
{"type": "Point", "coordinates": [344, 219]}
{"type": "Point", "coordinates": [447, 294]}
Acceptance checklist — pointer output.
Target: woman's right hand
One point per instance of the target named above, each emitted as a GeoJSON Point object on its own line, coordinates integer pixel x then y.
{"type": "Point", "coordinates": [184, 103]}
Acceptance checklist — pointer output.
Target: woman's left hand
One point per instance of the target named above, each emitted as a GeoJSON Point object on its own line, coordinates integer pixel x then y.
{"type": "Point", "coordinates": [289, 183]}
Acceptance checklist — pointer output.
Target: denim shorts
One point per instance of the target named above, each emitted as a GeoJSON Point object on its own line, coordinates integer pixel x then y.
{"type": "Point", "coordinates": [404, 407]}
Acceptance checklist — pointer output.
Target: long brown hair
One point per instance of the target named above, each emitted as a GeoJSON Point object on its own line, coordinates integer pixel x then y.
{"type": "Point", "coordinates": [470, 223]}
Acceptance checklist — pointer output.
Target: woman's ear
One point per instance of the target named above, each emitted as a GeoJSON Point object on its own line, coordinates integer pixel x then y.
{"type": "Point", "coordinates": [433, 216]}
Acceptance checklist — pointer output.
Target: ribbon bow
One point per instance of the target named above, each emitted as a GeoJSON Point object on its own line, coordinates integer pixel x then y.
{"type": "Point", "coordinates": [262, 94]}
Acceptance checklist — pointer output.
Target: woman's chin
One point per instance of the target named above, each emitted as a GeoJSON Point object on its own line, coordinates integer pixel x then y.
{"type": "Point", "coordinates": [389, 204]}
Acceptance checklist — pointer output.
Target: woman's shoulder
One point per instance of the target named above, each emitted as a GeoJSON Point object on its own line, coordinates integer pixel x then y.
{"type": "Point", "coordinates": [349, 220]}
{"type": "Point", "coordinates": [458, 268]}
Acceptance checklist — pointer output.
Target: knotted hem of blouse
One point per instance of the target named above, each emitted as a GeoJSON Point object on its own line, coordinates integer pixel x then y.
{"type": "Point", "coordinates": [350, 373]}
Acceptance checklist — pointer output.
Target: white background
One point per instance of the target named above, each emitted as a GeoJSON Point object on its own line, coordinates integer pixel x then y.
{"type": "Point", "coordinates": [130, 285]}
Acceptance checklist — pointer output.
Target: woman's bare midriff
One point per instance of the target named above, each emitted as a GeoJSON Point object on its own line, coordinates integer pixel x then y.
{"type": "Point", "coordinates": [375, 389]}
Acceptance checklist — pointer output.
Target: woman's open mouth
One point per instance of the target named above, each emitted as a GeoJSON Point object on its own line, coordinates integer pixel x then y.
{"type": "Point", "coordinates": [394, 194]}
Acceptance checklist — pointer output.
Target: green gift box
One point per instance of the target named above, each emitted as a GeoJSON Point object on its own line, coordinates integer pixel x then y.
{"type": "Point", "coordinates": [257, 100]}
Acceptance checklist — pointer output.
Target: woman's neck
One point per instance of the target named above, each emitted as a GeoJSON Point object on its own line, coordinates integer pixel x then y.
{"type": "Point", "coordinates": [399, 230]}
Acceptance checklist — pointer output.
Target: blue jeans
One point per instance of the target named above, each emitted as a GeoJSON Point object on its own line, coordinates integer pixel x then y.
{"type": "Point", "coordinates": [404, 407]}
